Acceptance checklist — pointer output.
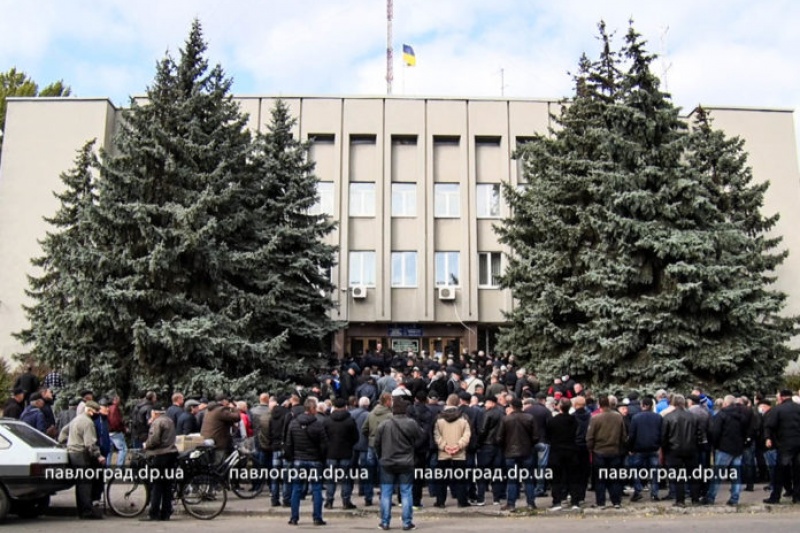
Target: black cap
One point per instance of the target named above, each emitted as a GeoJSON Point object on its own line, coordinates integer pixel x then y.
{"type": "Point", "coordinates": [464, 395]}
{"type": "Point", "coordinates": [786, 393]}
{"type": "Point", "coordinates": [18, 391]}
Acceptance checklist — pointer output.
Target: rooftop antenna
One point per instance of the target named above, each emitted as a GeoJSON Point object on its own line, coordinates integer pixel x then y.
{"type": "Point", "coordinates": [389, 49]}
{"type": "Point", "coordinates": [665, 63]}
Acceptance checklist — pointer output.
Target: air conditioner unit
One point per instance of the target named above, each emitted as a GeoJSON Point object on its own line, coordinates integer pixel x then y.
{"type": "Point", "coordinates": [359, 292]}
{"type": "Point", "coordinates": [447, 293]}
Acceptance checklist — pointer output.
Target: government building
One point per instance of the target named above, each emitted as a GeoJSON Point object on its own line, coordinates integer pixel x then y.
{"type": "Point", "coordinates": [415, 185]}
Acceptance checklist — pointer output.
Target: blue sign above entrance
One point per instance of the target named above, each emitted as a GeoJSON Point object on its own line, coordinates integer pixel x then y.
{"type": "Point", "coordinates": [400, 330]}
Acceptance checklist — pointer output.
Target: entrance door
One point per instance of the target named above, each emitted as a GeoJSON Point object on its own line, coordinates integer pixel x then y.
{"type": "Point", "coordinates": [362, 345]}
{"type": "Point", "coordinates": [444, 345]}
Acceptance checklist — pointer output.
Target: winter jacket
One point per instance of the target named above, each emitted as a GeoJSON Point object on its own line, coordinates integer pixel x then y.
{"type": "Point", "coordinates": [34, 417]}
{"type": "Point", "coordinates": [420, 413]}
{"type": "Point", "coordinates": [782, 426]}
{"type": "Point", "coordinates": [342, 435]}
{"type": "Point", "coordinates": [729, 431]}
{"type": "Point", "coordinates": [370, 428]}
{"type": "Point", "coordinates": [490, 426]}
{"type": "Point", "coordinates": [583, 416]}
{"type": "Point", "coordinates": [306, 440]}
{"type": "Point", "coordinates": [367, 390]}
{"type": "Point", "coordinates": [541, 414]}
{"type": "Point", "coordinates": [161, 438]}
{"type": "Point", "coordinates": [187, 424]}
{"type": "Point", "coordinates": [607, 434]}
{"type": "Point", "coordinates": [360, 416]}
{"type": "Point", "coordinates": [217, 425]}
{"type": "Point", "coordinates": [645, 432]}
{"type": "Point", "coordinates": [396, 441]}
{"type": "Point", "coordinates": [518, 435]}
{"type": "Point", "coordinates": [13, 409]}
{"type": "Point", "coordinates": [680, 434]}
{"type": "Point", "coordinates": [277, 419]}
{"type": "Point", "coordinates": [452, 428]}
{"type": "Point", "coordinates": [562, 430]}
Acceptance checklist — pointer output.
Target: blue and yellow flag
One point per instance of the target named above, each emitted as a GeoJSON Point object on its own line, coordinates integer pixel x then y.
{"type": "Point", "coordinates": [408, 56]}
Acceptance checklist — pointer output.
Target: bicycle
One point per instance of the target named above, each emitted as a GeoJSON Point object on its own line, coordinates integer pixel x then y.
{"type": "Point", "coordinates": [201, 491]}
{"type": "Point", "coordinates": [242, 460]}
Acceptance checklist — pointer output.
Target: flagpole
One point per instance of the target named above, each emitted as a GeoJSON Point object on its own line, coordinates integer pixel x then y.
{"type": "Point", "coordinates": [389, 50]}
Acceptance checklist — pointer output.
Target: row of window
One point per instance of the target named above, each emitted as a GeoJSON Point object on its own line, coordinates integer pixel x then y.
{"type": "Point", "coordinates": [404, 269]}
{"type": "Point", "coordinates": [447, 200]}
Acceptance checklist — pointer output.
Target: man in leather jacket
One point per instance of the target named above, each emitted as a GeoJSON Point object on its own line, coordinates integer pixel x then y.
{"type": "Point", "coordinates": [680, 437]}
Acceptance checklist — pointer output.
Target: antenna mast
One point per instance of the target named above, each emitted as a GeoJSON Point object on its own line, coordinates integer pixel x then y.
{"type": "Point", "coordinates": [389, 49]}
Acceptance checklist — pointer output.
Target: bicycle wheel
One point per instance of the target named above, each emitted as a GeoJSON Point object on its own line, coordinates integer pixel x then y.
{"type": "Point", "coordinates": [127, 499]}
{"type": "Point", "coordinates": [244, 488]}
{"type": "Point", "coordinates": [204, 496]}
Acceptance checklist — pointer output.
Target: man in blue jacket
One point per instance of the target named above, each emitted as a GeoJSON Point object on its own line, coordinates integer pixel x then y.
{"type": "Point", "coordinates": [644, 441]}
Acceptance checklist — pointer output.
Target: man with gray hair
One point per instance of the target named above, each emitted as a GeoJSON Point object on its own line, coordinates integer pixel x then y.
{"type": "Point", "coordinates": [680, 436]}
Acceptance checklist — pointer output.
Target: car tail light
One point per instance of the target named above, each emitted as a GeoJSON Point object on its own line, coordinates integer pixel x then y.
{"type": "Point", "coordinates": [37, 470]}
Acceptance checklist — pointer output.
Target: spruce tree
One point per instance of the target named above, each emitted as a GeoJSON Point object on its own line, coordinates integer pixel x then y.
{"type": "Point", "coordinates": [619, 287]}
{"type": "Point", "coordinates": [68, 326]}
{"type": "Point", "coordinates": [167, 211]}
{"type": "Point", "coordinates": [280, 261]}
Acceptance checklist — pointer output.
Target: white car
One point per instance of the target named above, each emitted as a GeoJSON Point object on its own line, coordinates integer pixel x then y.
{"type": "Point", "coordinates": [25, 454]}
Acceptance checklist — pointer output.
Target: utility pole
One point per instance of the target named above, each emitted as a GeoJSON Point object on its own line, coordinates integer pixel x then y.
{"type": "Point", "coordinates": [389, 49]}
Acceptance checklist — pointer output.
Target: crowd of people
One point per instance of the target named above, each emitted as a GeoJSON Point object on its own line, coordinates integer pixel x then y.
{"type": "Point", "coordinates": [417, 423]}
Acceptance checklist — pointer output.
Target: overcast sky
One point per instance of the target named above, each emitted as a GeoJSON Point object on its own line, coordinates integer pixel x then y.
{"type": "Point", "coordinates": [720, 52]}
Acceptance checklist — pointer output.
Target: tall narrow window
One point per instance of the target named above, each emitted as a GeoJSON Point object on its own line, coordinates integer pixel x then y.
{"type": "Point", "coordinates": [489, 269]}
{"type": "Point", "coordinates": [404, 269]}
{"type": "Point", "coordinates": [362, 199]}
{"type": "Point", "coordinates": [362, 268]}
{"type": "Point", "coordinates": [447, 272]}
{"type": "Point", "coordinates": [447, 200]}
{"type": "Point", "coordinates": [324, 204]}
{"type": "Point", "coordinates": [488, 198]}
{"type": "Point", "coordinates": [404, 199]}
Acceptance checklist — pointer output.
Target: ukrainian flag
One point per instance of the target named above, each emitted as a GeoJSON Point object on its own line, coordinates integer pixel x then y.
{"type": "Point", "coordinates": [408, 56]}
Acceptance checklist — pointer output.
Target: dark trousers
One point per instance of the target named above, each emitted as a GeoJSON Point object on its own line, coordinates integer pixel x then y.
{"type": "Point", "coordinates": [83, 489]}
{"type": "Point", "coordinates": [458, 487]}
{"type": "Point", "coordinates": [161, 488]}
{"type": "Point", "coordinates": [686, 464]}
{"type": "Point", "coordinates": [584, 471]}
{"type": "Point", "coordinates": [420, 461]}
{"type": "Point", "coordinates": [564, 465]}
{"type": "Point", "coordinates": [490, 456]}
{"type": "Point", "coordinates": [786, 469]}
{"type": "Point", "coordinates": [607, 463]}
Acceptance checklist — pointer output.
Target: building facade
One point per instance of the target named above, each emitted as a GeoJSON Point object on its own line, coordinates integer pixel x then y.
{"type": "Point", "coordinates": [415, 185]}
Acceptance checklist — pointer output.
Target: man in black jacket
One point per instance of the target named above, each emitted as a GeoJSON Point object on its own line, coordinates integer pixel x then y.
{"type": "Point", "coordinates": [517, 437]}
{"type": "Point", "coordinates": [273, 443]}
{"type": "Point", "coordinates": [395, 445]}
{"type": "Point", "coordinates": [342, 434]}
{"type": "Point", "coordinates": [489, 454]}
{"type": "Point", "coordinates": [782, 432]}
{"type": "Point", "coordinates": [680, 436]}
{"type": "Point", "coordinates": [727, 436]}
{"type": "Point", "coordinates": [14, 406]}
{"type": "Point", "coordinates": [306, 449]}
{"type": "Point", "coordinates": [562, 430]}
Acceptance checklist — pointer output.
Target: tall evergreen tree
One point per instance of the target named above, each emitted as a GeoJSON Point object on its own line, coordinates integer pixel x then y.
{"type": "Point", "coordinates": [280, 261]}
{"type": "Point", "coordinates": [166, 215]}
{"type": "Point", "coordinates": [620, 276]}
{"type": "Point", "coordinates": [68, 329]}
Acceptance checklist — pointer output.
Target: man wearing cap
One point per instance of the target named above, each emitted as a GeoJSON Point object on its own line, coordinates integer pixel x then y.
{"type": "Point", "coordinates": [32, 414]}
{"type": "Point", "coordinates": [489, 454]}
{"type": "Point", "coordinates": [187, 421]}
{"type": "Point", "coordinates": [160, 447]}
{"type": "Point", "coordinates": [86, 396]}
{"type": "Point", "coordinates": [84, 453]}
{"type": "Point", "coordinates": [782, 432]}
{"type": "Point", "coordinates": [15, 405]}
